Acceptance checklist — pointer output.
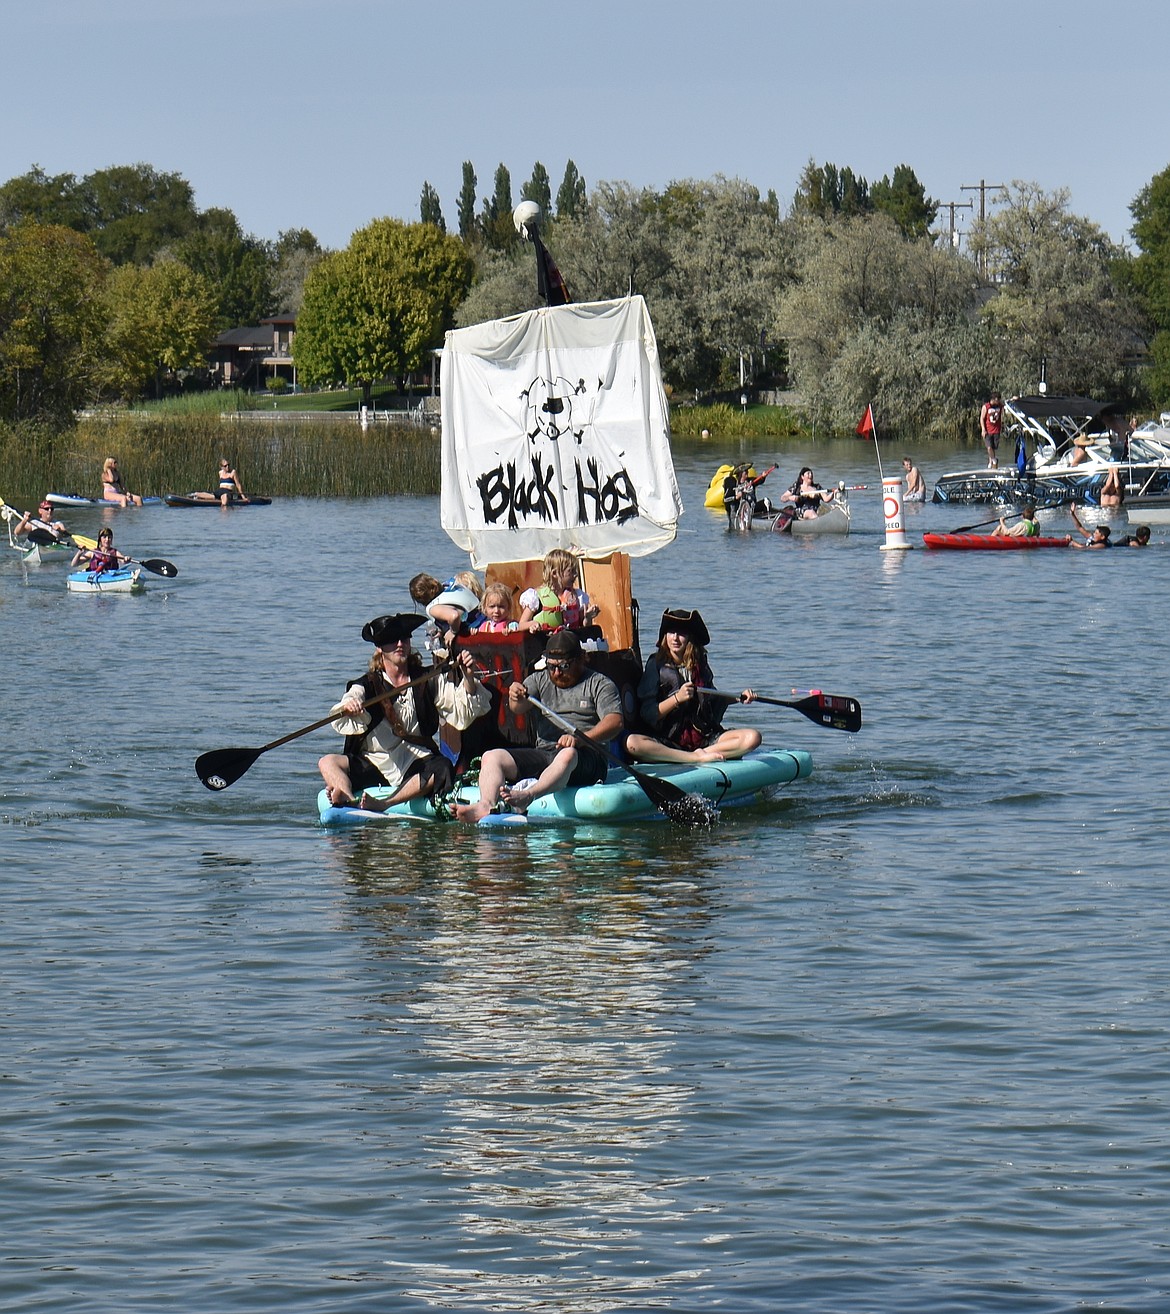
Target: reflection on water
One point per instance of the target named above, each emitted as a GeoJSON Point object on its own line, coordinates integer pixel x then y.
{"type": "Point", "coordinates": [546, 998]}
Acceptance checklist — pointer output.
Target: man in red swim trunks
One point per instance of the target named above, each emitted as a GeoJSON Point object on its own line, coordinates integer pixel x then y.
{"type": "Point", "coordinates": [991, 427]}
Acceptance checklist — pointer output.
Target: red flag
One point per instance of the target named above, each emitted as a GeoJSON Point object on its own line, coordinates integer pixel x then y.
{"type": "Point", "coordinates": [867, 429]}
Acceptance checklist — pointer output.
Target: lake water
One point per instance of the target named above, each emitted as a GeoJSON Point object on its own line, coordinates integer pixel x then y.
{"type": "Point", "coordinates": [899, 1040]}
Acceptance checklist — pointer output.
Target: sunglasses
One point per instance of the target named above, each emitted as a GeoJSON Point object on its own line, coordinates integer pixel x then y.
{"type": "Point", "coordinates": [558, 666]}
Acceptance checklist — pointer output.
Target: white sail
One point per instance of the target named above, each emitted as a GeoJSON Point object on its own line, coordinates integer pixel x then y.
{"type": "Point", "coordinates": [556, 433]}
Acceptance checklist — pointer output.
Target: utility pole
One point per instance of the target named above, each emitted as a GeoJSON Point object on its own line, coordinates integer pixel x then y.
{"type": "Point", "coordinates": [952, 206]}
{"type": "Point", "coordinates": [982, 188]}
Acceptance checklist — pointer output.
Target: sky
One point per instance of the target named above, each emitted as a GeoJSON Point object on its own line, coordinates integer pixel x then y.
{"type": "Point", "coordinates": [326, 114]}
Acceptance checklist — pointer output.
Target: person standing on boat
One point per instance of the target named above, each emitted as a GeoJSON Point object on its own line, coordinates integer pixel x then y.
{"type": "Point", "coordinates": [229, 484]}
{"type": "Point", "coordinates": [685, 726]}
{"type": "Point", "coordinates": [392, 742]}
{"type": "Point", "coordinates": [915, 484]}
{"type": "Point", "coordinates": [1025, 527]}
{"type": "Point", "coordinates": [559, 760]}
{"type": "Point", "coordinates": [805, 495]}
{"type": "Point", "coordinates": [991, 428]}
{"type": "Point", "coordinates": [112, 488]}
{"type": "Point", "coordinates": [103, 557]}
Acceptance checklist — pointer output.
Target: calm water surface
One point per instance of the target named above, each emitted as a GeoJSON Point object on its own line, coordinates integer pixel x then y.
{"type": "Point", "coordinates": [899, 1040]}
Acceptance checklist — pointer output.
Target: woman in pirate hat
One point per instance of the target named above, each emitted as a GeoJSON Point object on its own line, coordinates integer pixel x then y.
{"type": "Point", "coordinates": [684, 725]}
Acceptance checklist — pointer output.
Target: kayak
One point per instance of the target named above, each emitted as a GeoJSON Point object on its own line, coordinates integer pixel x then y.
{"type": "Point", "coordinates": [994, 542]}
{"type": "Point", "coordinates": [75, 499]}
{"type": "Point", "coordinates": [750, 779]}
{"type": "Point", "coordinates": [212, 499]}
{"type": "Point", "coordinates": [37, 554]}
{"type": "Point", "coordinates": [123, 580]}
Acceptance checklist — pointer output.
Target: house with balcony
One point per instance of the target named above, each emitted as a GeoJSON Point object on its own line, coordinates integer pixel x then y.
{"type": "Point", "coordinates": [248, 357]}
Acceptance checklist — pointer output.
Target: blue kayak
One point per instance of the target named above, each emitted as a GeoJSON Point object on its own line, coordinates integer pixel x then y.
{"type": "Point", "coordinates": [123, 580]}
{"type": "Point", "coordinates": [75, 499]}
{"type": "Point", "coordinates": [750, 779]}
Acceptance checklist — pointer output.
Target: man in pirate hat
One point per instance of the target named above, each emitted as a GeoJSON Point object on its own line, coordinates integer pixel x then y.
{"type": "Point", "coordinates": [392, 742]}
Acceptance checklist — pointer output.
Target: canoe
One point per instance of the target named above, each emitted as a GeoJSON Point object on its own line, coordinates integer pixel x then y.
{"type": "Point", "coordinates": [75, 499]}
{"type": "Point", "coordinates": [993, 542]}
{"type": "Point", "coordinates": [123, 580]}
{"type": "Point", "coordinates": [619, 798]}
{"type": "Point", "coordinates": [832, 518]}
{"type": "Point", "coordinates": [36, 554]}
{"type": "Point", "coordinates": [211, 499]}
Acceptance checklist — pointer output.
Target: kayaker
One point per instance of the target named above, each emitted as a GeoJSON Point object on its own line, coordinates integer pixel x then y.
{"type": "Point", "coordinates": [1025, 527]}
{"type": "Point", "coordinates": [685, 727]}
{"type": "Point", "coordinates": [558, 760]}
{"type": "Point", "coordinates": [112, 489]}
{"type": "Point", "coordinates": [43, 520]}
{"type": "Point", "coordinates": [806, 495]}
{"type": "Point", "coordinates": [1097, 537]}
{"type": "Point", "coordinates": [558, 603]}
{"type": "Point", "coordinates": [229, 484]}
{"type": "Point", "coordinates": [392, 742]}
{"type": "Point", "coordinates": [103, 557]}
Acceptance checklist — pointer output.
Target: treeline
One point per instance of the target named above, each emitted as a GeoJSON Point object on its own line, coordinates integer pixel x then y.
{"type": "Point", "coordinates": [114, 284]}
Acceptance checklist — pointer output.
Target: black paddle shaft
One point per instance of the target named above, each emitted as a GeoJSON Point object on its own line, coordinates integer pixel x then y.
{"type": "Point", "coordinates": [666, 796]}
{"type": "Point", "coordinates": [830, 710]}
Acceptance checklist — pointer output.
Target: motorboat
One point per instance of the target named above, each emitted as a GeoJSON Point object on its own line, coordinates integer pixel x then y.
{"type": "Point", "coordinates": [1064, 448]}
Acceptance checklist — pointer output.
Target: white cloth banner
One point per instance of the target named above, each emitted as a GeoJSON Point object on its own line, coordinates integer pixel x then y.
{"type": "Point", "coordinates": [556, 433]}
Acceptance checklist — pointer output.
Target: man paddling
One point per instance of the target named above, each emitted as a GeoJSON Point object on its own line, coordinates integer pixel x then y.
{"type": "Point", "coordinates": [392, 742]}
{"type": "Point", "coordinates": [587, 699]}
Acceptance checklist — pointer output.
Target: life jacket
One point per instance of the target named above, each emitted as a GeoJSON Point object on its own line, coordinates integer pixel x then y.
{"type": "Point", "coordinates": [99, 561]}
{"type": "Point", "coordinates": [687, 727]}
{"type": "Point", "coordinates": [552, 610]}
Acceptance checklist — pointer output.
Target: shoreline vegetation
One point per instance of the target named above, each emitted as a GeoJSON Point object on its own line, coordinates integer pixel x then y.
{"type": "Point", "coordinates": [175, 447]}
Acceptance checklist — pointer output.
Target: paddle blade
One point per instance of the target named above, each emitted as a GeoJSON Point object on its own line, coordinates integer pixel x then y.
{"type": "Point", "coordinates": [160, 567]}
{"type": "Point", "coordinates": [833, 712]}
{"type": "Point", "coordinates": [224, 766]}
{"type": "Point", "coordinates": [680, 807]}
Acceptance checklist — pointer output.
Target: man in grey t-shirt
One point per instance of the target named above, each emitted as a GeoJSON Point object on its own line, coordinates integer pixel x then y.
{"type": "Point", "coordinates": [587, 699]}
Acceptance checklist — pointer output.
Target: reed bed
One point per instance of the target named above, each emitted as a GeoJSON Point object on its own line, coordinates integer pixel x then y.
{"type": "Point", "coordinates": [181, 454]}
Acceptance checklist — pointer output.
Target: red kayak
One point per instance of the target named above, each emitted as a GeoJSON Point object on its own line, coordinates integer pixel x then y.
{"type": "Point", "coordinates": [994, 542]}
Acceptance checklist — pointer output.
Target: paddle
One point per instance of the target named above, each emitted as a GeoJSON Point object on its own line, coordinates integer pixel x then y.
{"type": "Point", "coordinates": [829, 710]}
{"type": "Point", "coordinates": [224, 766]}
{"type": "Point", "coordinates": [667, 797]}
{"type": "Point", "coordinates": [966, 529]}
{"type": "Point", "coordinates": [156, 565]}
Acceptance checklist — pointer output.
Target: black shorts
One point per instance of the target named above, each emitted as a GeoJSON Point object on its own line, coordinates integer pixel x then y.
{"type": "Point", "coordinates": [590, 768]}
{"type": "Point", "coordinates": [434, 768]}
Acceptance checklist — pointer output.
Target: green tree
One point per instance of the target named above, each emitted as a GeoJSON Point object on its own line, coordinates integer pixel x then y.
{"type": "Point", "coordinates": [905, 201]}
{"type": "Point", "coordinates": [467, 203]}
{"type": "Point", "coordinates": [37, 198]}
{"type": "Point", "coordinates": [430, 209]}
{"type": "Point", "coordinates": [295, 254]}
{"type": "Point", "coordinates": [135, 212]}
{"type": "Point", "coordinates": [865, 315]}
{"type": "Point", "coordinates": [538, 189]}
{"type": "Point", "coordinates": [1149, 275]}
{"type": "Point", "coordinates": [571, 195]}
{"type": "Point", "coordinates": [376, 309]}
{"type": "Point", "coordinates": [825, 191]}
{"type": "Point", "coordinates": [161, 320]}
{"type": "Point", "coordinates": [51, 321]}
{"type": "Point", "coordinates": [240, 268]}
{"type": "Point", "coordinates": [1058, 300]}
{"type": "Point", "coordinates": [496, 220]}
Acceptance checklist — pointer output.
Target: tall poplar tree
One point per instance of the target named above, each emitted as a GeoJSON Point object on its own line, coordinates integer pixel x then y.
{"type": "Point", "coordinates": [430, 210]}
{"type": "Point", "coordinates": [467, 202]}
{"type": "Point", "coordinates": [571, 193]}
